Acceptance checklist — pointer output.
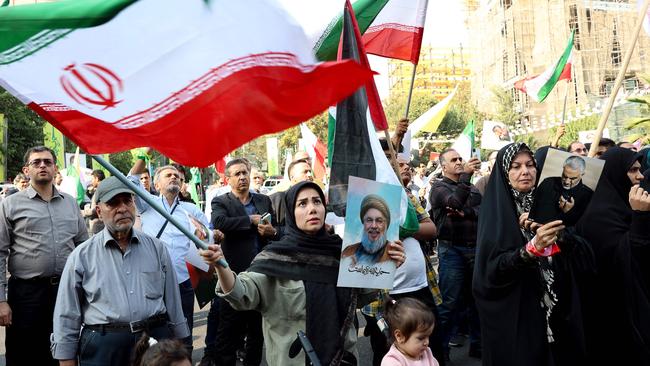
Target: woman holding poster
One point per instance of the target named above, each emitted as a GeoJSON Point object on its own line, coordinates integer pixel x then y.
{"type": "Point", "coordinates": [292, 282]}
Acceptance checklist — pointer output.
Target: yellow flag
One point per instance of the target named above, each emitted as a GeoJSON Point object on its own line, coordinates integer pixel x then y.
{"type": "Point", "coordinates": [54, 140]}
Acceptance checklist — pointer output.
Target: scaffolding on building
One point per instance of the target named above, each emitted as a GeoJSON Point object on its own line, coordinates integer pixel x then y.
{"type": "Point", "coordinates": [513, 39]}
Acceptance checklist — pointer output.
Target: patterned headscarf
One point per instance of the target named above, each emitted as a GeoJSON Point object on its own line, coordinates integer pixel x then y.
{"type": "Point", "coordinates": [523, 200]}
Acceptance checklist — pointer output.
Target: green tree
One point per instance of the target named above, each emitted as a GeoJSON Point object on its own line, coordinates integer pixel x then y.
{"type": "Point", "coordinates": [25, 129]}
{"type": "Point", "coordinates": [505, 103]}
{"type": "Point", "coordinates": [572, 129]}
{"type": "Point", "coordinates": [122, 161]}
{"type": "Point", "coordinates": [395, 106]}
{"type": "Point", "coordinates": [288, 139]}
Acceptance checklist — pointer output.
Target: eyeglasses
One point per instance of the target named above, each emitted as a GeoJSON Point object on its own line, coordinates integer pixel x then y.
{"type": "Point", "coordinates": [37, 162]}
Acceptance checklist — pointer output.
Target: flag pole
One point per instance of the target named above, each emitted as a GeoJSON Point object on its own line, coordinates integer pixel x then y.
{"type": "Point", "coordinates": [153, 204]}
{"type": "Point", "coordinates": [393, 156]}
{"type": "Point", "coordinates": [619, 80]}
{"type": "Point", "coordinates": [408, 100]}
{"type": "Point", "coordinates": [566, 95]}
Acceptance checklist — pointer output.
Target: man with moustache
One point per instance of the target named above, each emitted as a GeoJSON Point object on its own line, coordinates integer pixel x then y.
{"type": "Point", "coordinates": [577, 148]}
{"type": "Point", "coordinates": [375, 217]}
{"type": "Point", "coordinates": [167, 181]}
{"type": "Point", "coordinates": [39, 228]}
{"type": "Point", "coordinates": [119, 284]}
{"type": "Point", "coordinates": [455, 203]}
{"type": "Point", "coordinates": [563, 198]}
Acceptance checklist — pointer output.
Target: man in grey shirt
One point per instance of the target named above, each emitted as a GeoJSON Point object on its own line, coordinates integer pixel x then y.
{"type": "Point", "coordinates": [115, 286]}
{"type": "Point", "coordinates": [39, 228]}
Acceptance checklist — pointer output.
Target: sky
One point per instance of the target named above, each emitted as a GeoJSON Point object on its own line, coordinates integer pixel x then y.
{"type": "Point", "coordinates": [444, 27]}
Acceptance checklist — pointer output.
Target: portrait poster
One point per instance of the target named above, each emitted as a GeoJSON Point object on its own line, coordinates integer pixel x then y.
{"type": "Point", "coordinates": [565, 187]}
{"type": "Point", "coordinates": [495, 135]}
{"type": "Point", "coordinates": [371, 222]}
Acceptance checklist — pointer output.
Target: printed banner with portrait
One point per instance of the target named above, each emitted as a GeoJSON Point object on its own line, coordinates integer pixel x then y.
{"type": "Point", "coordinates": [565, 187]}
{"type": "Point", "coordinates": [495, 135]}
{"type": "Point", "coordinates": [371, 223]}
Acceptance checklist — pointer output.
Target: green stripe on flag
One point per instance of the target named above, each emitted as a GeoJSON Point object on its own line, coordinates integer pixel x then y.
{"type": "Point", "coordinates": [19, 24]}
{"type": "Point", "coordinates": [546, 89]}
{"type": "Point", "coordinates": [331, 132]}
{"type": "Point", "coordinates": [365, 11]}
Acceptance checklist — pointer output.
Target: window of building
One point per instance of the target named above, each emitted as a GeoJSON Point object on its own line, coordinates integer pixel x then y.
{"type": "Point", "coordinates": [574, 25]}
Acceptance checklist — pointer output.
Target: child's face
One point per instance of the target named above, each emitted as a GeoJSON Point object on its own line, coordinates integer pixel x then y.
{"type": "Point", "coordinates": [415, 344]}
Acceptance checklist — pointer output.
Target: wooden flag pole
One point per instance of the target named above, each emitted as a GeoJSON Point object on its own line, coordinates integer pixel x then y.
{"type": "Point", "coordinates": [619, 80]}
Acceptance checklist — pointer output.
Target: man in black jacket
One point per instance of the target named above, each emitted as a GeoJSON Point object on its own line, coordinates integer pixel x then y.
{"type": "Point", "coordinates": [238, 214]}
{"type": "Point", "coordinates": [455, 203]}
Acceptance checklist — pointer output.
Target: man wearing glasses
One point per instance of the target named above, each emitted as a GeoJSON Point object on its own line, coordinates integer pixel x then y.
{"type": "Point", "coordinates": [455, 204]}
{"type": "Point", "coordinates": [39, 228]}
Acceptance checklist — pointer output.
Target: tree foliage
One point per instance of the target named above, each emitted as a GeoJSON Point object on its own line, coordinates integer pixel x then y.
{"type": "Point", "coordinates": [505, 103]}
{"type": "Point", "coordinates": [25, 129]}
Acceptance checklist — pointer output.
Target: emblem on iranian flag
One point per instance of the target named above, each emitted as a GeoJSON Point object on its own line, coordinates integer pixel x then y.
{"type": "Point", "coordinates": [91, 84]}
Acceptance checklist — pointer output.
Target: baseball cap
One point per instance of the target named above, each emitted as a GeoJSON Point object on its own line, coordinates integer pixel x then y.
{"type": "Point", "coordinates": [109, 188]}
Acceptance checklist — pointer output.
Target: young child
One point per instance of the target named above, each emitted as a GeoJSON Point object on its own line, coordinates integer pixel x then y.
{"type": "Point", "coordinates": [169, 352]}
{"type": "Point", "coordinates": [410, 323]}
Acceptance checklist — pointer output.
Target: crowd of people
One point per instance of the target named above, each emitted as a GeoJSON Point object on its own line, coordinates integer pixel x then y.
{"type": "Point", "coordinates": [106, 282]}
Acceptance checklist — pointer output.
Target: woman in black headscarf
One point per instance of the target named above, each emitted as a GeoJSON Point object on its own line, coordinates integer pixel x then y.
{"type": "Point", "coordinates": [513, 276]}
{"type": "Point", "coordinates": [617, 224]}
{"type": "Point", "coordinates": [292, 282]}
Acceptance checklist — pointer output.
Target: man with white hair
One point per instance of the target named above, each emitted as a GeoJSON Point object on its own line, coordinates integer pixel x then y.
{"type": "Point", "coordinates": [563, 198]}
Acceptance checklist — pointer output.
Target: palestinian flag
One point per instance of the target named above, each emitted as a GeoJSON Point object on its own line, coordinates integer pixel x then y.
{"type": "Point", "coordinates": [540, 86]}
{"type": "Point", "coordinates": [175, 75]}
{"type": "Point", "coordinates": [397, 31]}
{"type": "Point", "coordinates": [356, 151]}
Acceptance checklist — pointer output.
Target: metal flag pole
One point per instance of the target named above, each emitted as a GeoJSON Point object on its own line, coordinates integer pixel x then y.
{"type": "Point", "coordinates": [619, 80]}
{"type": "Point", "coordinates": [408, 101]}
{"type": "Point", "coordinates": [153, 204]}
{"type": "Point", "coordinates": [566, 95]}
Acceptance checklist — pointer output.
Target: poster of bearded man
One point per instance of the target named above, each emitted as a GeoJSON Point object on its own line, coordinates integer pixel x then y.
{"type": "Point", "coordinates": [371, 223]}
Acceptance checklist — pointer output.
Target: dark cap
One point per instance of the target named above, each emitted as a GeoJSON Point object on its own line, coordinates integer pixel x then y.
{"type": "Point", "coordinates": [109, 188]}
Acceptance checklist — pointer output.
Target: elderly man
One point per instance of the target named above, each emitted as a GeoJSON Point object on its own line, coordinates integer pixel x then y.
{"type": "Point", "coordinates": [375, 217]}
{"type": "Point", "coordinates": [167, 181]}
{"type": "Point", "coordinates": [577, 148]}
{"type": "Point", "coordinates": [257, 179]}
{"type": "Point", "coordinates": [455, 204]}
{"type": "Point", "coordinates": [563, 198]}
{"type": "Point", "coordinates": [118, 285]}
{"type": "Point", "coordinates": [39, 228]}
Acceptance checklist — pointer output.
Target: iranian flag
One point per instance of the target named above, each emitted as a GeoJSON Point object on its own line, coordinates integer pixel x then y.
{"type": "Point", "coordinates": [540, 86]}
{"type": "Point", "coordinates": [397, 31]}
{"type": "Point", "coordinates": [194, 79]}
{"type": "Point", "coordinates": [316, 149]}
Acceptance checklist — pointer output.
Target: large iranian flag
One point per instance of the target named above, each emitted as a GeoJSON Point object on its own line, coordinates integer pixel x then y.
{"type": "Point", "coordinates": [194, 79]}
{"type": "Point", "coordinates": [397, 31]}
{"type": "Point", "coordinates": [540, 86]}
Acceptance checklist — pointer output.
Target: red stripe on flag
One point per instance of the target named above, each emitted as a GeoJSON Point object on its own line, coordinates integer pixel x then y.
{"type": "Point", "coordinates": [566, 72]}
{"type": "Point", "coordinates": [245, 105]}
{"type": "Point", "coordinates": [374, 102]}
{"type": "Point", "coordinates": [393, 42]}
